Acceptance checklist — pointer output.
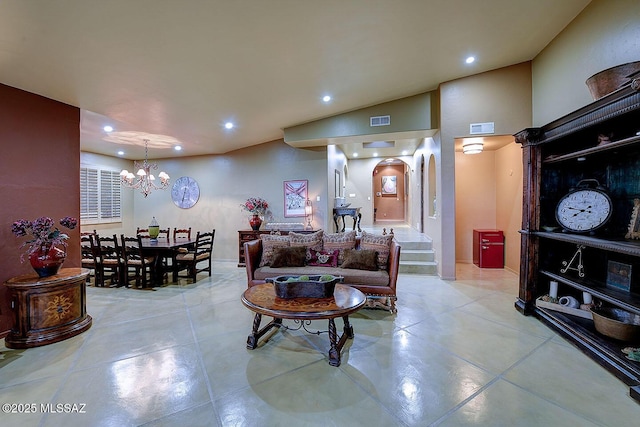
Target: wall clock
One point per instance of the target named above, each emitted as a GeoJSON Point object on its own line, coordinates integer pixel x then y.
{"type": "Point", "coordinates": [584, 209]}
{"type": "Point", "coordinates": [185, 192]}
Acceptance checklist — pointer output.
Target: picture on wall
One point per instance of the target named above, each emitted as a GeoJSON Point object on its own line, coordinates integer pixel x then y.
{"type": "Point", "coordinates": [389, 184]}
{"type": "Point", "coordinates": [295, 198]}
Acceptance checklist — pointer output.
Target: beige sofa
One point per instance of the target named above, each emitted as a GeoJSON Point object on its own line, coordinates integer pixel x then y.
{"type": "Point", "coordinates": [378, 285]}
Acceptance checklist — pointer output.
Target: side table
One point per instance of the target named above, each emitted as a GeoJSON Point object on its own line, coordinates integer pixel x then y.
{"type": "Point", "coordinates": [48, 309]}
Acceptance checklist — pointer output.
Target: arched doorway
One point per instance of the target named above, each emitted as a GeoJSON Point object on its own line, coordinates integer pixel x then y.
{"type": "Point", "coordinates": [390, 190]}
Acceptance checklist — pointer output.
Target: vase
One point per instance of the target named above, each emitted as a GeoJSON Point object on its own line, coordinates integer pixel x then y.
{"type": "Point", "coordinates": [47, 259]}
{"type": "Point", "coordinates": [255, 222]}
{"type": "Point", "coordinates": [154, 229]}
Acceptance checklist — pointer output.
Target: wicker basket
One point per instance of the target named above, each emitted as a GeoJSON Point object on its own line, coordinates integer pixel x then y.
{"type": "Point", "coordinates": [617, 323]}
{"type": "Point", "coordinates": [313, 287]}
{"type": "Point", "coordinates": [611, 79]}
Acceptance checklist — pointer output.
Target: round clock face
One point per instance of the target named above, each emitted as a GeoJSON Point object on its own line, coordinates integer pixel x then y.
{"type": "Point", "coordinates": [185, 192]}
{"type": "Point", "coordinates": [584, 210]}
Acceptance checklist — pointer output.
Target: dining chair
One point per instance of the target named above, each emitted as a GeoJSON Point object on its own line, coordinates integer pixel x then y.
{"type": "Point", "coordinates": [135, 265]}
{"type": "Point", "coordinates": [201, 252]}
{"type": "Point", "coordinates": [108, 261]}
{"type": "Point", "coordinates": [181, 233]}
{"type": "Point", "coordinates": [88, 256]}
{"type": "Point", "coordinates": [162, 234]}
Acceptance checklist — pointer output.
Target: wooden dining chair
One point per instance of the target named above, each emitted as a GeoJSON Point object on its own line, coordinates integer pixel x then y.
{"type": "Point", "coordinates": [88, 256]}
{"type": "Point", "coordinates": [181, 233]}
{"type": "Point", "coordinates": [201, 252]}
{"type": "Point", "coordinates": [135, 265]}
{"type": "Point", "coordinates": [162, 234]}
{"type": "Point", "coordinates": [108, 260]}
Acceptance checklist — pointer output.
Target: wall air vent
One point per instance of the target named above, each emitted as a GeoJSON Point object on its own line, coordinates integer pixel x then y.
{"type": "Point", "coordinates": [481, 128]}
{"type": "Point", "coordinates": [379, 121]}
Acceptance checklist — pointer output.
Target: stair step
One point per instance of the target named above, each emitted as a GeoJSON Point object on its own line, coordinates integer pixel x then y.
{"type": "Point", "coordinates": [417, 255]}
{"type": "Point", "coordinates": [424, 245]}
{"type": "Point", "coordinates": [418, 267]}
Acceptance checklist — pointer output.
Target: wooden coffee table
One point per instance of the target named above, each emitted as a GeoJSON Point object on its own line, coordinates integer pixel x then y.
{"type": "Point", "coordinates": [262, 299]}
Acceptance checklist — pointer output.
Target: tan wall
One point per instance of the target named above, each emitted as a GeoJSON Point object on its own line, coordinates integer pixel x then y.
{"type": "Point", "coordinates": [604, 35]}
{"type": "Point", "coordinates": [39, 172]}
{"type": "Point", "coordinates": [390, 207]}
{"type": "Point", "coordinates": [508, 177]}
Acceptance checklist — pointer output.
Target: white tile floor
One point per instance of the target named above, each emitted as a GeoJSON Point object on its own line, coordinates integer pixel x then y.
{"type": "Point", "coordinates": [455, 354]}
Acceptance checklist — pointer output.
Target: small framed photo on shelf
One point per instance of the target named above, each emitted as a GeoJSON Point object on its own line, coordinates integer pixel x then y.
{"type": "Point", "coordinates": [619, 276]}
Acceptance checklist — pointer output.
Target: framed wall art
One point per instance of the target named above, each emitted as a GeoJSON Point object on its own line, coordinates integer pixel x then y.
{"type": "Point", "coordinates": [389, 184]}
{"type": "Point", "coordinates": [295, 198]}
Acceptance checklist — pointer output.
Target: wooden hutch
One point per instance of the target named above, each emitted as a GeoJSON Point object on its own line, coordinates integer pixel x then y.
{"type": "Point", "coordinates": [601, 142]}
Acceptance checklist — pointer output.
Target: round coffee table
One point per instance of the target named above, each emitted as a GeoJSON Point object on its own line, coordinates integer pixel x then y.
{"type": "Point", "coordinates": [261, 299]}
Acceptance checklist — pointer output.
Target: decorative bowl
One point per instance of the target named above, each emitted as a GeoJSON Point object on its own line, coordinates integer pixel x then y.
{"type": "Point", "coordinates": [616, 323]}
{"type": "Point", "coordinates": [611, 79]}
{"type": "Point", "coordinates": [310, 287]}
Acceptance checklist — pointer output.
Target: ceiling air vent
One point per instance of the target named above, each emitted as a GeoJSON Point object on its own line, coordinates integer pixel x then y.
{"type": "Point", "coordinates": [480, 128]}
{"type": "Point", "coordinates": [379, 121]}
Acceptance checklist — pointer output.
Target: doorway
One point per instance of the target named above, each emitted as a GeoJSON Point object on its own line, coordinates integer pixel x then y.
{"type": "Point", "coordinates": [390, 191]}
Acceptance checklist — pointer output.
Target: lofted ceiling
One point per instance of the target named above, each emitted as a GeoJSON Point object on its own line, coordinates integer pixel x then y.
{"type": "Point", "coordinates": [182, 69]}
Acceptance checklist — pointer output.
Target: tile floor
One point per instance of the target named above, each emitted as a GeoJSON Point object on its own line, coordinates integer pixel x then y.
{"type": "Point", "coordinates": [456, 354]}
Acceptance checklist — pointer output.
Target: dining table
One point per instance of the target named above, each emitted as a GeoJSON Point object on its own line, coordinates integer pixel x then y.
{"type": "Point", "coordinates": [162, 249]}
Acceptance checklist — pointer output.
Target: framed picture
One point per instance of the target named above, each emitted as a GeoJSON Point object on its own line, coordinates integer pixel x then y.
{"type": "Point", "coordinates": [389, 184]}
{"type": "Point", "coordinates": [295, 198]}
{"type": "Point", "coordinates": [634, 224]}
{"type": "Point", "coordinates": [619, 276]}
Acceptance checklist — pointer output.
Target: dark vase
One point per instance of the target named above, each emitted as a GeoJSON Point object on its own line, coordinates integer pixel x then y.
{"type": "Point", "coordinates": [47, 259]}
{"type": "Point", "coordinates": [255, 222]}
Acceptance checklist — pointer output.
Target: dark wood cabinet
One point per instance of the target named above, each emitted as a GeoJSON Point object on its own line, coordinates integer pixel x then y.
{"type": "Point", "coordinates": [48, 309]}
{"type": "Point", "coordinates": [249, 235]}
{"type": "Point", "coordinates": [600, 142]}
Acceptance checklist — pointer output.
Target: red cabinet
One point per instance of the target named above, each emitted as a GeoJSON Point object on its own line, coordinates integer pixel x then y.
{"type": "Point", "coordinates": [488, 248]}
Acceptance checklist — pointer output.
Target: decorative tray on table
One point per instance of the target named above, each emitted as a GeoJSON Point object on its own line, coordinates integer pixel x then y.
{"type": "Point", "coordinates": [312, 286]}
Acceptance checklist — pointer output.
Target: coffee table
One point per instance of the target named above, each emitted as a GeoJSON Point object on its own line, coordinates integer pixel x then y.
{"type": "Point", "coordinates": [262, 300]}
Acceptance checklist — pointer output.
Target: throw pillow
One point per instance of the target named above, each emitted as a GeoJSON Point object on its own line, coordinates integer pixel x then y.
{"type": "Point", "coordinates": [363, 259]}
{"type": "Point", "coordinates": [378, 243]}
{"type": "Point", "coordinates": [322, 259]}
{"type": "Point", "coordinates": [269, 243]}
{"type": "Point", "coordinates": [289, 257]}
{"type": "Point", "coordinates": [310, 241]}
{"type": "Point", "coordinates": [339, 241]}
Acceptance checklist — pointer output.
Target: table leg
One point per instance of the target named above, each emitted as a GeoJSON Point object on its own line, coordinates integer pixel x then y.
{"type": "Point", "coordinates": [256, 333]}
{"type": "Point", "coordinates": [359, 218]}
{"type": "Point", "coordinates": [348, 329]}
{"type": "Point", "coordinates": [334, 351]}
{"type": "Point", "coordinates": [335, 221]}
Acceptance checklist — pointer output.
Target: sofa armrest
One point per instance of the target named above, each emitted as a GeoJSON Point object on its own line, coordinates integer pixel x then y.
{"type": "Point", "coordinates": [394, 264]}
{"type": "Point", "coordinates": [252, 255]}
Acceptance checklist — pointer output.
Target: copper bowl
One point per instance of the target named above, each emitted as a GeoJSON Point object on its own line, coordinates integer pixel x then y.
{"type": "Point", "coordinates": [616, 323]}
{"type": "Point", "coordinates": [611, 79]}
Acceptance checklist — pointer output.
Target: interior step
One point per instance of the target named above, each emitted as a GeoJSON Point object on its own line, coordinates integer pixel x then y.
{"type": "Point", "coordinates": [427, 255]}
{"type": "Point", "coordinates": [418, 267]}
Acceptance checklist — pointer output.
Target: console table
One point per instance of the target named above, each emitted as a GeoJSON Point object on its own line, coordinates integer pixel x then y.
{"type": "Point", "coordinates": [47, 309]}
{"type": "Point", "coordinates": [342, 212]}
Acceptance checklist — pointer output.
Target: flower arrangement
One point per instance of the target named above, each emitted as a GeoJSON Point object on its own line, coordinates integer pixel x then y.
{"type": "Point", "coordinates": [255, 205]}
{"type": "Point", "coordinates": [42, 232]}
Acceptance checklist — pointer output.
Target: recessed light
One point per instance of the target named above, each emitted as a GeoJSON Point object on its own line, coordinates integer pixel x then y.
{"type": "Point", "coordinates": [404, 152]}
{"type": "Point", "coordinates": [120, 153]}
{"type": "Point", "coordinates": [228, 125]}
{"type": "Point", "coordinates": [470, 59]}
{"type": "Point", "coordinates": [108, 128]}
{"type": "Point", "coordinates": [326, 98]}
{"type": "Point", "coordinates": [375, 154]}
{"type": "Point", "coordinates": [355, 154]}
{"type": "Point", "coordinates": [177, 147]}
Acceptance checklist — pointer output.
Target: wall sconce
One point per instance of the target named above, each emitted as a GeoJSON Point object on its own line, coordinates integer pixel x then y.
{"type": "Point", "coordinates": [472, 145]}
{"type": "Point", "coordinates": [308, 212]}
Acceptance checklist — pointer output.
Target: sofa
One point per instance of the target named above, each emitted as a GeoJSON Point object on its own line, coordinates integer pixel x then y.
{"type": "Point", "coordinates": [368, 262]}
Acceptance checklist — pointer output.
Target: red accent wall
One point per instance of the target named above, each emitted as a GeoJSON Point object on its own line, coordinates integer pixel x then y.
{"type": "Point", "coordinates": [39, 176]}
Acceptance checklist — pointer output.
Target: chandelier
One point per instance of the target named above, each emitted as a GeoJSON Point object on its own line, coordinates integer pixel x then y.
{"type": "Point", "coordinates": [144, 179]}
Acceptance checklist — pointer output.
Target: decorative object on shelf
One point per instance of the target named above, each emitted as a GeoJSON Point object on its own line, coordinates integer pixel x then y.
{"type": "Point", "coordinates": [546, 303]}
{"type": "Point", "coordinates": [185, 192]}
{"type": "Point", "coordinates": [584, 208]}
{"type": "Point", "coordinates": [258, 207]}
{"type": "Point", "coordinates": [308, 212]}
{"type": "Point", "coordinates": [633, 231]}
{"type": "Point", "coordinates": [576, 257]}
{"type": "Point", "coordinates": [569, 301]}
{"type": "Point", "coordinates": [43, 253]}
{"type": "Point", "coordinates": [154, 229]}
{"type": "Point", "coordinates": [619, 276]}
{"type": "Point", "coordinates": [632, 353]}
{"type": "Point", "coordinates": [145, 179]}
{"type": "Point", "coordinates": [295, 197]}
{"type": "Point", "coordinates": [611, 79]}
{"type": "Point", "coordinates": [553, 289]}
{"type": "Point", "coordinates": [616, 323]}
